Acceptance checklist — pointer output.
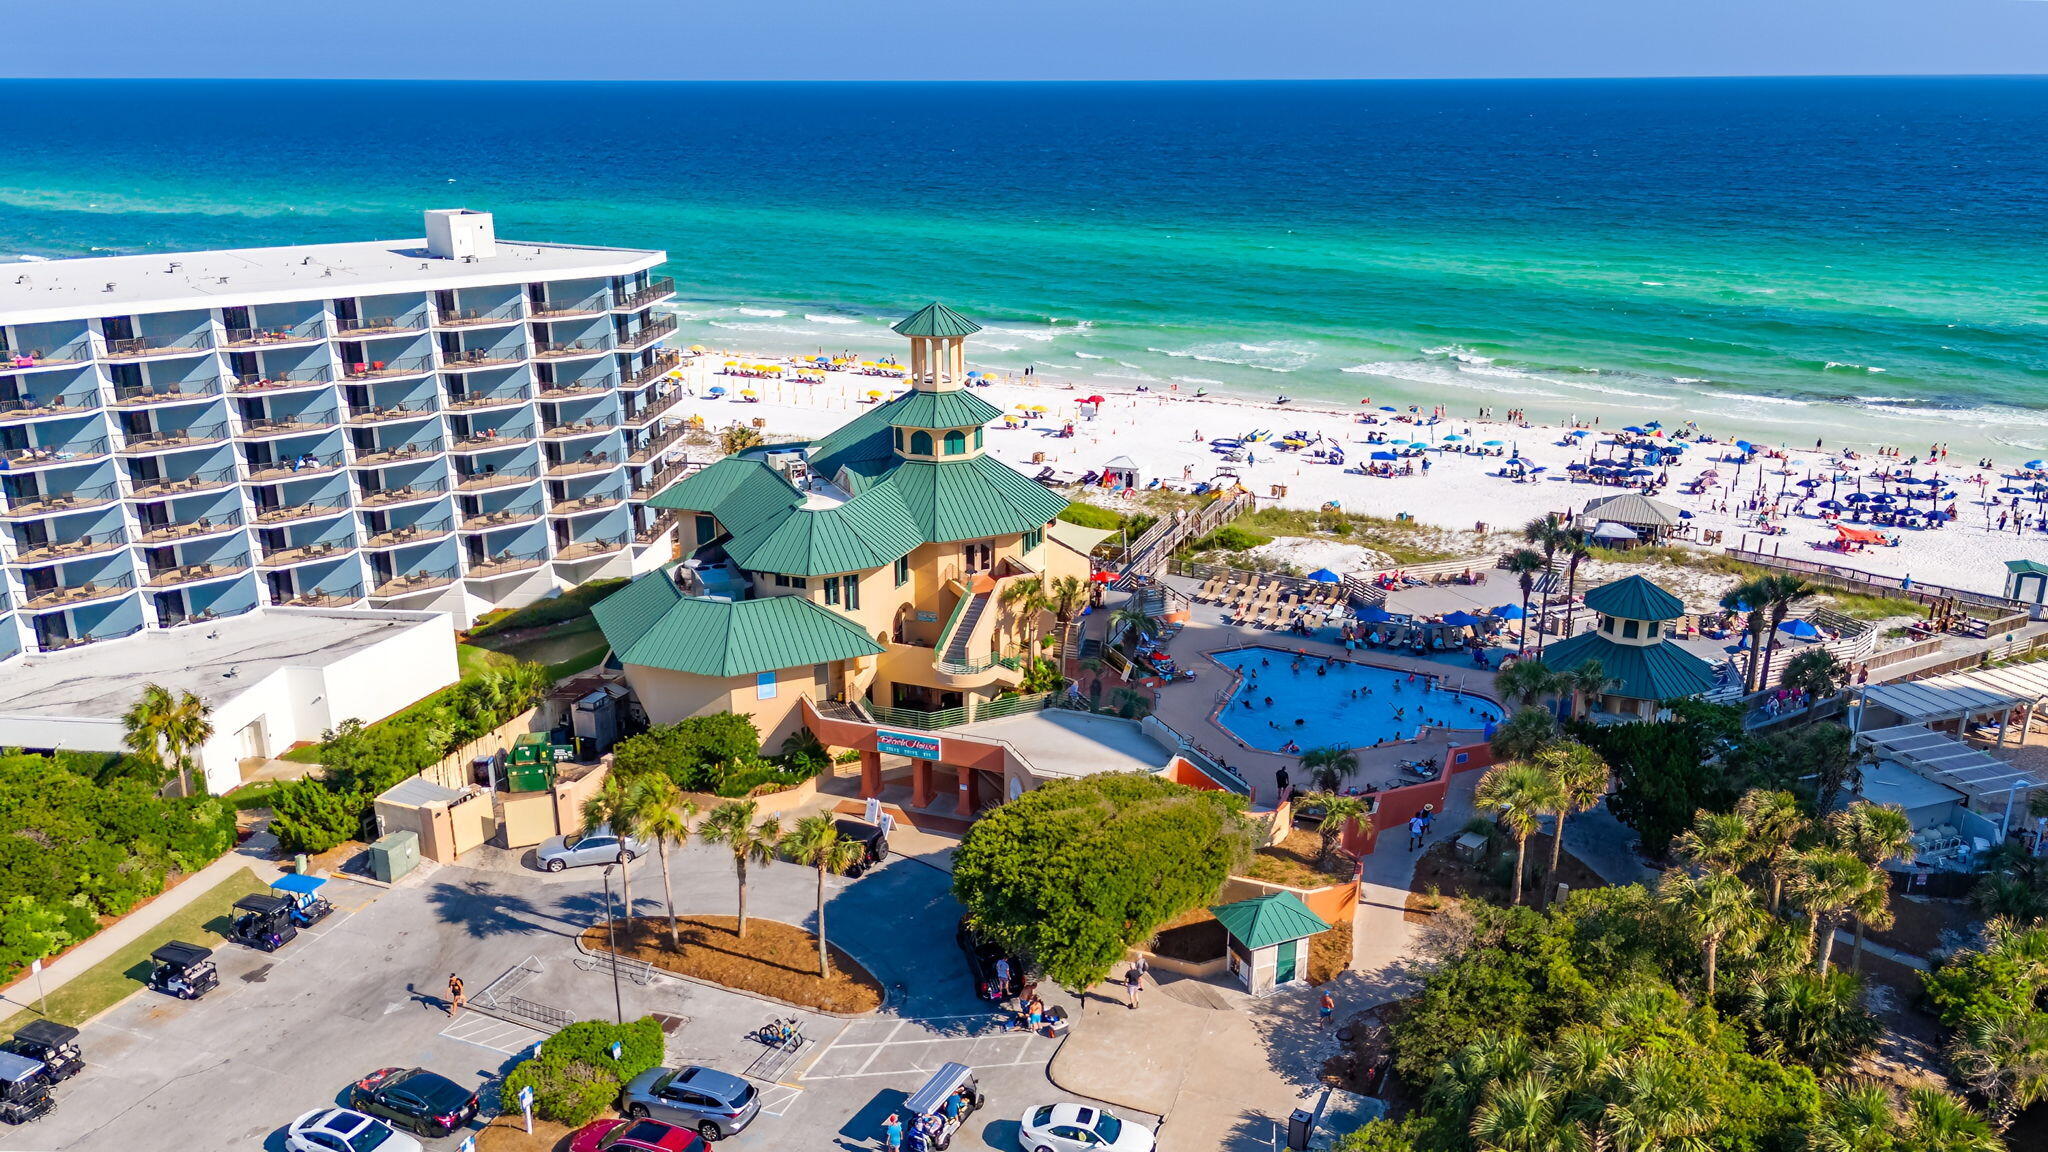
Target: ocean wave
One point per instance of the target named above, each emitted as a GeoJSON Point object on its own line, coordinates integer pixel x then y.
{"type": "Point", "coordinates": [1193, 380]}
{"type": "Point", "coordinates": [1264, 357]}
{"type": "Point", "coordinates": [992, 346]}
{"type": "Point", "coordinates": [745, 326]}
{"type": "Point", "coordinates": [1459, 353]}
{"type": "Point", "coordinates": [1690, 380]}
{"type": "Point", "coordinates": [1435, 373]}
{"type": "Point", "coordinates": [763, 312]}
{"type": "Point", "coordinates": [1606, 388]}
{"type": "Point", "coordinates": [1753, 398]}
{"type": "Point", "coordinates": [824, 318]}
{"type": "Point", "coordinates": [1088, 356]}
{"type": "Point", "coordinates": [1832, 365]}
{"type": "Point", "coordinates": [1040, 335]}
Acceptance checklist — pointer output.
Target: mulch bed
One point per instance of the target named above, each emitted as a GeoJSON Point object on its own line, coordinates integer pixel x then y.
{"type": "Point", "coordinates": [508, 1134]}
{"type": "Point", "coordinates": [1329, 953]}
{"type": "Point", "coordinates": [1293, 862]}
{"type": "Point", "coordinates": [1440, 870]}
{"type": "Point", "coordinates": [776, 959]}
{"type": "Point", "coordinates": [1922, 921]}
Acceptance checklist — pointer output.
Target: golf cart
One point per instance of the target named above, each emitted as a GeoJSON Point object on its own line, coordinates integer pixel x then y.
{"type": "Point", "coordinates": [24, 1089]}
{"type": "Point", "coordinates": [941, 1107]}
{"type": "Point", "coordinates": [308, 906]}
{"type": "Point", "coordinates": [183, 970]}
{"type": "Point", "coordinates": [263, 922]}
{"type": "Point", "coordinates": [53, 1045]}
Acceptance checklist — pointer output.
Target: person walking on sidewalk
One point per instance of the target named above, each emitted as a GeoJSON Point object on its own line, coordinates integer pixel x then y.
{"type": "Point", "coordinates": [1324, 1008]}
{"type": "Point", "coordinates": [456, 1001]}
{"type": "Point", "coordinates": [892, 1133]}
{"type": "Point", "coordinates": [1415, 830]}
{"type": "Point", "coordinates": [1134, 981]}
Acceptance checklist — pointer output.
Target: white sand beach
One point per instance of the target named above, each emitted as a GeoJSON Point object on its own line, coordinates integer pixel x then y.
{"type": "Point", "coordinates": [1168, 433]}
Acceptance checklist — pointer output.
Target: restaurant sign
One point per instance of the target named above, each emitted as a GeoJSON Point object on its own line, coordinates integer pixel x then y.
{"type": "Point", "coordinates": [921, 745]}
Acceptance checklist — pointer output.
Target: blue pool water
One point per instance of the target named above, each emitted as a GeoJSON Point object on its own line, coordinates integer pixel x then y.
{"type": "Point", "coordinates": [1351, 705]}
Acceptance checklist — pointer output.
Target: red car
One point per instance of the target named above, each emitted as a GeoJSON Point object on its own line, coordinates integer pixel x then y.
{"type": "Point", "coordinates": [634, 1136]}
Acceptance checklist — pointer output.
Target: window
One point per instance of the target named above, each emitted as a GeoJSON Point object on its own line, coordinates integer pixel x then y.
{"type": "Point", "coordinates": [1630, 629]}
{"type": "Point", "coordinates": [764, 686]}
{"type": "Point", "coordinates": [706, 528]}
{"type": "Point", "coordinates": [831, 589]}
{"type": "Point", "coordinates": [850, 587]}
{"type": "Point", "coordinates": [920, 443]}
{"type": "Point", "coordinates": [1033, 539]}
{"type": "Point", "coordinates": [956, 442]}
{"type": "Point", "coordinates": [1607, 625]}
{"type": "Point", "coordinates": [902, 571]}
{"type": "Point", "coordinates": [899, 439]}
{"type": "Point", "coordinates": [977, 437]}
{"type": "Point", "coordinates": [1653, 628]}
{"type": "Point", "coordinates": [786, 581]}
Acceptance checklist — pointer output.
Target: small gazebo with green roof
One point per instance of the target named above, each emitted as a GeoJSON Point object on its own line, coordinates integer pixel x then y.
{"type": "Point", "coordinates": [2027, 582]}
{"type": "Point", "coordinates": [938, 347]}
{"type": "Point", "coordinates": [1632, 641]}
{"type": "Point", "coordinates": [1269, 938]}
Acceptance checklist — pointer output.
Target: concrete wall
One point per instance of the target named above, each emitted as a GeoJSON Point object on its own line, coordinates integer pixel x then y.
{"type": "Point", "coordinates": [669, 696]}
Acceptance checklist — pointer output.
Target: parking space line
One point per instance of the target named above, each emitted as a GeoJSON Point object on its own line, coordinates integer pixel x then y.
{"type": "Point", "coordinates": [778, 1098]}
{"type": "Point", "coordinates": [930, 1044]}
{"type": "Point", "coordinates": [491, 1033]}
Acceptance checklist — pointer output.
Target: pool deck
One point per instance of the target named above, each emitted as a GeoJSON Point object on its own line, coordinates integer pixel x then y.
{"type": "Point", "coordinates": [1190, 708]}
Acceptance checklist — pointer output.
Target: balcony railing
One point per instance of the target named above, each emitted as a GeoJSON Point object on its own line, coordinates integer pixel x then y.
{"type": "Point", "coordinates": [280, 334]}
{"type": "Point", "coordinates": [173, 574]}
{"type": "Point", "coordinates": [654, 407]}
{"type": "Point", "coordinates": [472, 317]}
{"type": "Point", "coordinates": [495, 439]}
{"type": "Point", "coordinates": [411, 583]}
{"type": "Point", "coordinates": [472, 401]}
{"type": "Point", "coordinates": [302, 464]}
{"type": "Point", "coordinates": [662, 479]}
{"type": "Point", "coordinates": [67, 642]}
{"type": "Point", "coordinates": [496, 478]}
{"type": "Point", "coordinates": [400, 494]}
{"type": "Point", "coordinates": [86, 545]}
{"type": "Point", "coordinates": [656, 530]}
{"type": "Point", "coordinates": [152, 488]}
{"type": "Point", "coordinates": [381, 369]}
{"type": "Point", "coordinates": [502, 518]}
{"type": "Point", "coordinates": [139, 395]}
{"type": "Point", "coordinates": [397, 452]}
{"type": "Point", "coordinates": [379, 325]}
{"type": "Point", "coordinates": [411, 534]}
{"type": "Point", "coordinates": [26, 408]}
{"type": "Point", "coordinates": [561, 391]}
{"type": "Point", "coordinates": [302, 553]}
{"type": "Point", "coordinates": [552, 310]}
{"type": "Point", "coordinates": [585, 549]}
{"type": "Point", "coordinates": [568, 349]}
{"type": "Point", "coordinates": [664, 361]}
{"type": "Point", "coordinates": [573, 428]}
{"type": "Point", "coordinates": [504, 563]}
{"type": "Point", "coordinates": [29, 359]}
{"type": "Point", "coordinates": [656, 443]}
{"type": "Point", "coordinates": [185, 530]}
{"type": "Point", "coordinates": [68, 500]}
{"type": "Point", "coordinates": [657, 289]}
{"type": "Point", "coordinates": [378, 413]}
{"type": "Point", "coordinates": [596, 501]}
{"type": "Point", "coordinates": [323, 598]}
{"type": "Point", "coordinates": [41, 455]}
{"type": "Point", "coordinates": [64, 595]}
{"type": "Point", "coordinates": [138, 346]}
{"type": "Point", "coordinates": [286, 513]}
{"type": "Point", "coordinates": [590, 462]}
{"type": "Point", "coordinates": [286, 425]}
{"type": "Point", "coordinates": [646, 334]}
{"type": "Point", "coordinates": [173, 440]}
{"type": "Point", "coordinates": [471, 358]}
{"type": "Point", "coordinates": [280, 381]}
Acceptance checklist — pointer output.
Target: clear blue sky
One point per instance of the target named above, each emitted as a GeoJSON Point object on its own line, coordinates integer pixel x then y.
{"type": "Point", "coordinates": [1009, 40]}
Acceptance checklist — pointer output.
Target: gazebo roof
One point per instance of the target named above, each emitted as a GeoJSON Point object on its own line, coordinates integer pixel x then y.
{"type": "Point", "coordinates": [935, 319]}
{"type": "Point", "coordinates": [1631, 509]}
{"type": "Point", "coordinates": [1263, 921]}
{"type": "Point", "coordinates": [1634, 598]}
{"type": "Point", "coordinates": [1660, 671]}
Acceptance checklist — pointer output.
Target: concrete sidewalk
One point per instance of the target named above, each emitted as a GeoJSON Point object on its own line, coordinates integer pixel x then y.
{"type": "Point", "coordinates": [253, 854]}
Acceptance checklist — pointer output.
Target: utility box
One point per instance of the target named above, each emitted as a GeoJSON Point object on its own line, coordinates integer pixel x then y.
{"type": "Point", "coordinates": [1470, 847]}
{"type": "Point", "coordinates": [394, 857]}
{"type": "Point", "coordinates": [595, 721]}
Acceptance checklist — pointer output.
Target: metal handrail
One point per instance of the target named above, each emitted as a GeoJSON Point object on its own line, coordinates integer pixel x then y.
{"type": "Point", "coordinates": [55, 453]}
{"type": "Point", "coordinates": [497, 476]}
{"type": "Point", "coordinates": [69, 497]}
{"type": "Point", "coordinates": [172, 485]}
{"type": "Point", "coordinates": [314, 329]}
{"type": "Point", "coordinates": [400, 452]}
{"type": "Point", "coordinates": [544, 310]}
{"type": "Point", "coordinates": [665, 360]}
{"type": "Point", "coordinates": [310, 422]}
{"type": "Point", "coordinates": [297, 463]}
{"type": "Point", "coordinates": [597, 547]}
{"type": "Point", "coordinates": [571, 389]}
{"type": "Point", "coordinates": [458, 401]}
{"type": "Point", "coordinates": [503, 517]}
{"type": "Point", "coordinates": [35, 600]}
{"type": "Point", "coordinates": [656, 288]}
{"type": "Point", "coordinates": [387, 411]}
{"type": "Point", "coordinates": [506, 561]}
{"type": "Point", "coordinates": [289, 378]}
{"type": "Point", "coordinates": [370, 325]}
{"type": "Point", "coordinates": [54, 404]}
{"type": "Point", "coordinates": [319, 597]}
{"type": "Point", "coordinates": [588, 502]}
{"type": "Point", "coordinates": [169, 439]}
{"type": "Point", "coordinates": [661, 480]}
{"type": "Point", "coordinates": [584, 427]}
{"type": "Point", "coordinates": [327, 545]}
{"type": "Point", "coordinates": [146, 345]}
{"type": "Point", "coordinates": [377, 369]}
{"type": "Point", "coordinates": [660, 440]}
{"type": "Point", "coordinates": [284, 513]}
{"type": "Point", "coordinates": [422, 576]}
{"type": "Point", "coordinates": [411, 532]}
{"type": "Point", "coordinates": [167, 532]}
{"type": "Point", "coordinates": [176, 390]}
{"type": "Point", "coordinates": [76, 352]}
{"type": "Point", "coordinates": [483, 358]}
{"type": "Point", "coordinates": [88, 638]}
{"type": "Point", "coordinates": [406, 491]}
{"type": "Point", "coordinates": [571, 347]}
{"type": "Point", "coordinates": [651, 331]}
{"type": "Point", "coordinates": [462, 316]}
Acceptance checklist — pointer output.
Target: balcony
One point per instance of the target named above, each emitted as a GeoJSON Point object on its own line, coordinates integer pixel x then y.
{"type": "Point", "coordinates": [290, 513]}
{"type": "Point", "coordinates": [498, 478]}
{"type": "Point", "coordinates": [193, 529]}
{"type": "Point", "coordinates": [70, 595]}
{"type": "Point", "coordinates": [571, 391]}
{"type": "Point", "coordinates": [378, 457]}
{"type": "Point", "coordinates": [658, 443]}
{"type": "Point", "coordinates": [174, 575]}
{"type": "Point", "coordinates": [475, 358]}
{"type": "Point", "coordinates": [661, 526]}
{"type": "Point", "coordinates": [385, 413]}
{"type": "Point", "coordinates": [294, 380]}
{"type": "Point", "coordinates": [76, 404]}
{"type": "Point", "coordinates": [32, 359]}
{"type": "Point", "coordinates": [411, 534]}
{"type": "Point", "coordinates": [570, 349]}
{"type": "Point", "coordinates": [402, 494]}
{"type": "Point", "coordinates": [69, 642]}
{"type": "Point", "coordinates": [481, 401]}
{"type": "Point", "coordinates": [648, 334]}
{"type": "Point", "coordinates": [305, 553]}
{"type": "Point", "coordinates": [502, 518]}
{"type": "Point", "coordinates": [86, 545]}
{"type": "Point", "coordinates": [646, 414]}
{"type": "Point", "coordinates": [504, 564]}
{"type": "Point", "coordinates": [265, 427]}
{"type": "Point", "coordinates": [658, 289]}
{"type": "Point", "coordinates": [47, 456]}
{"type": "Point", "coordinates": [551, 310]}
{"type": "Point", "coordinates": [275, 337]}
{"type": "Point", "coordinates": [600, 462]}
{"type": "Point", "coordinates": [386, 370]}
{"type": "Point", "coordinates": [173, 440]}
{"type": "Point", "coordinates": [412, 584]}
{"type": "Point", "coordinates": [304, 464]}
{"type": "Point", "coordinates": [661, 479]}
{"type": "Point", "coordinates": [574, 428]}
{"type": "Point", "coordinates": [323, 598]}
{"type": "Point", "coordinates": [490, 442]}
{"type": "Point", "coordinates": [151, 488]}
{"type": "Point", "coordinates": [147, 347]}
{"type": "Point", "coordinates": [479, 318]}
{"type": "Point", "coordinates": [665, 361]}
{"type": "Point", "coordinates": [596, 502]}
{"type": "Point", "coordinates": [30, 504]}
{"type": "Point", "coordinates": [182, 392]}
{"type": "Point", "coordinates": [590, 549]}
{"type": "Point", "coordinates": [379, 326]}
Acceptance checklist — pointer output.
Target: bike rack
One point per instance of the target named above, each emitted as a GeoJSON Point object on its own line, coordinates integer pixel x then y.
{"type": "Point", "coordinates": [773, 1063]}
{"type": "Point", "coordinates": [500, 998]}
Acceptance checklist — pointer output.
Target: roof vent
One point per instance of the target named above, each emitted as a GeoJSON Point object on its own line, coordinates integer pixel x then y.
{"type": "Point", "coordinates": [459, 234]}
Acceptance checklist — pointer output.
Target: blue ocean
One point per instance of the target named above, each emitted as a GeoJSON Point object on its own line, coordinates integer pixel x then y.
{"type": "Point", "coordinates": [1859, 259]}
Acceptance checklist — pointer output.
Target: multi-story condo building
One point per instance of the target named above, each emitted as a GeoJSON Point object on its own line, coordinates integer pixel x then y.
{"type": "Point", "coordinates": [447, 423]}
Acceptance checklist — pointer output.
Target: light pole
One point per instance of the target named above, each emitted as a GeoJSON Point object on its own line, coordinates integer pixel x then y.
{"type": "Point", "coordinates": [611, 942]}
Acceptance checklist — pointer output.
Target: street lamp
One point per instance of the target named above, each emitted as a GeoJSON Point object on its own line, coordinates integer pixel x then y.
{"type": "Point", "coordinates": [611, 942]}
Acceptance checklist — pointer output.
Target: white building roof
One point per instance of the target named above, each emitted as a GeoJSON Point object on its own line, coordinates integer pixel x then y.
{"type": "Point", "coordinates": [2024, 682]}
{"type": "Point", "coordinates": [1065, 743]}
{"type": "Point", "coordinates": [37, 292]}
{"type": "Point", "coordinates": [1920, 701]}
{"type": "Point", "coordinates": [1946, 760]}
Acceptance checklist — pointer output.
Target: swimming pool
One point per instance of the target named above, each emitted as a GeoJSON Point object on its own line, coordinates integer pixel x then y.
{"type": "Point", "coordinates": [1348, 705]}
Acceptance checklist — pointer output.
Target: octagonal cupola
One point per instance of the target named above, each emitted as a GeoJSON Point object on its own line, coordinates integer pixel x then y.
{"type": "Point", "coordinates": [1632, 611]}
{"type": "Point", "coordinates": [938, 347]}
{"type": "Point", "coordinates": [940, 418]}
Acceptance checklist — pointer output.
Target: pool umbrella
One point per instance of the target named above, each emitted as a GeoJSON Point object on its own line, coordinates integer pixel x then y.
{"type": "Point", "coordinates": [1374, 614]}
{"type": "Point", "coordinates": [1325, 576]}
{"type": "Point", "coordinates": [1385, 456]}
{"type": "Point", "coordinates": [1494, 444]}
{"type": "Point", "coordinates": [1462, 619]}
{"type": "Point", "coordinates": [1799, 628]}
{"type": "Point", "coordinates": [1506, 612]}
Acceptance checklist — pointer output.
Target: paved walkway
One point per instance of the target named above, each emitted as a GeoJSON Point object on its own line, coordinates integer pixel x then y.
{"type": "Point", "coordinates": [252, 854]}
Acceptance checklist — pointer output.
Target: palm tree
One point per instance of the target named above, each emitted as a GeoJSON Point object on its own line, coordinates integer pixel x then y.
{"type": "Point", "coordinates": [1546, 534]}
{"type": "Point", "coordinates": [1587, 683]}
{"type": "Point", "coordinates": [1025, 600]}
{"type": "Point", "coordinates": [1855, 1117]}
{"type": "Point", "coordinates": [623, 805]}
{"type": "Point", "coordinates": [1522, 792]}
{"type": "Point", "coordinates": [1749, 597]}
{"type": "Point", "coordinates": [2003, 1056]}
{"type": "Point", "coordinates": [1936, 1121]}
{"type": "Point", "coordinates": [1573, 545]}
{"type": "Point", "coordinates": [1828, 882]}
{"type": "Point", "coordinates": [1525, 682]}
{"type": "Point", "coordinates": [1782, 592]}
{"type": "Point", "coordinates": [1133, 620]}
{"type": "Point", "coordinates": [1578, 777]}
{"type": "Point", "coordinates": [732, 824]}
{"type": "Point", "coordinates": [1717, 841]}
{"type": "Point", "coordinates": [1773, 821]}
{"type": "Point", "coordinates": [1065, 597]}
{"type": "Point", "coordinates": [668, 823]}
{"type": "Point", "coordinates": [816, 841]}
{"type": "Point", "coordinates": [1715, 907]}
{"type": "Point", "coordinates": [166, 730]}
{"type": "Point", "coordinates": [1873, 833]}
{"type": "Point", "coordinates": [734, 439]}
{"type": "Point", "coordinates": [1815, 672]}
{"type": "Point", "coordinates": [1524, 734]}
{"type": "Point", "coordinates": [1525, 563]}
{"type": "Point", "coordinates": [1525, 1114]}
{"type": "Point", "coordinates": [1328, 766]}
{"type": "Point", "coordinates": [1337, 811]}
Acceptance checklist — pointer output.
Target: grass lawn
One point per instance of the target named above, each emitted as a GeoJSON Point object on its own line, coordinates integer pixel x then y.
{"type": "Point", "coordinates": [109, 982]}
{"type": "Point", "coordinates": [1402, 541]}
{"type": "Point", "coordinates": [776, 959]}
{"type": "Point", "coordinates": [563, 649]}
{"type": "Point", "coordinates": [1293, 862]}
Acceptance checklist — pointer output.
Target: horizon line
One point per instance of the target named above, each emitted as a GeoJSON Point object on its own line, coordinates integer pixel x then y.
{"type": "Point", "coordinates": [984, 80]}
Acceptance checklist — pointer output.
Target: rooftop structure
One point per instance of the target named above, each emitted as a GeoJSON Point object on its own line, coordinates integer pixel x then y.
{"type": "Point", "coordinates": [1634, 648]}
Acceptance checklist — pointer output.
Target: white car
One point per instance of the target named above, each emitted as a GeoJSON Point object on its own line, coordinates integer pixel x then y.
{"type": "Point", "coordinates": [344, 1130]}
{"type": "Point", "coordinates": [1080, 1128]}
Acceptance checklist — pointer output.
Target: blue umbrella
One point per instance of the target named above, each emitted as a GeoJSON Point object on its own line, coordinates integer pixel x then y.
{"type": "Point", "coordinates": [1325, 576]}
{"type": "Point", "coordinates": [1388, 408]}
{"type": "Point", "coordinates": [1494, 444]}
{"type": "Point", "coordinates": [2032, 464]}
{"type": "Point", "coordinates": [1462, 619]}
{"type": "Point", "coordinates": [1454, 438]}
{"type": "Point", "coordinates": [1859, 497]}
{"type": "Point", "coordinates": [717, 390]}
{"type": "Point", "coordinates": [1507, 612]}
{"type": "Point", "coordinates": [1684, 515]}
{"type": "Point", "coordinates": [1809, 483]}
{"type": "Point", "coordinates": [1938, 517]}
{"type": "Point", "coordinates": [1884, 498]}
{"type": "Point", "coordinates": [1578, 432]}
{"type": "Point", "coordinates": [1799, 628]}
{"type": "Point", "coordinates": [1745, 445]}
{"type": "Point", "coordinates": [1634, 429]}
{"type": "Point", "coordinates": [1832, 505]}
{"type": "Point", "coordinates": [1374, 614]}
{"type": "Point", "coordinates": [1641, 472]}
{"type": "Point", "coordinates": [1385, 456]}
{"type": "Point", "coordinates": [1654, 424]}
{"type": "Point", "coordinates": [1582, 468]}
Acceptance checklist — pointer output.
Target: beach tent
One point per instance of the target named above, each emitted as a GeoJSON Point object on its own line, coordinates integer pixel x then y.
{"type": "Point", "coordinates": [1800, 628]}
{"type": "Point", "coordinates": [1506, 612]}
{"type": "Point", "coordinates": [1374, 614]}
{"type": "Point", "coordinates": [1325, 576]}
{"type": "Point", "coordinates": [1858, 535]}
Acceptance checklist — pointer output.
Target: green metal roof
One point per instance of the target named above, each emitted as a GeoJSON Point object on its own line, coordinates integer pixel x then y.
{"type": "Point", "coordinates": [651, 623]}
{"type": "Point", "coordinates": [935, 319]}
{"type": "Point", "coordinates": [2031, 566]}
{"type": "Point", "coordinates": [1263, 921]}
{"type": "Point", "coordinates": [738, 490]}
{"type": "Point", "coordinates": [1634, 598]}
{"type": "Point", "coordinates": [1660, 671]}
{"type": "Point", "coordinates": [864, 438]}
{"type": "Point", "coordinates": [862, 534]}
{"type": "Point", "coordinates": [953, 409]}
{"type": "Point", "coordinates": [971, 498]}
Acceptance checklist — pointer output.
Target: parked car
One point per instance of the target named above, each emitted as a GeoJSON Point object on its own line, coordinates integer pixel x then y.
{"type": "Point", "coordinates": [869, 836]}
{"type": "Point", "coordinates": [425, 1102]}
{"type": "Point", "coordinates": [344, 1130]}
{"type": "Point", "coordinates": [634, 1136]}
{"type": "Point", "coordinates": [717, 1104]}
{"type": "Point", "coordinates": [982, 955]}
{"type": "Point", "coordinates": [1080, 1128]}
{"type": "Point", "coordinates": [595, 846]}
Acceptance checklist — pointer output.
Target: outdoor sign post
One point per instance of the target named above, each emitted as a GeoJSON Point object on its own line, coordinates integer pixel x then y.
{"type": "Point", "coordinates": [42, 996]}
{"type": "Point", "coordinates": [526, 1106]}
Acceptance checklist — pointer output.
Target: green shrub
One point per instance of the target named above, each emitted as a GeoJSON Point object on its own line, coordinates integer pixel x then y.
{"type": "Point", "coordinates": [310, 817]}
{"type": "Point", "coordinates": [571, 605]}
{"type": "Point", "coordinates": [1089, 516]}
{"type": "Point", "coordinates": [1230, 538]}
{"type": "Point", "coordinates": [574, 1077]}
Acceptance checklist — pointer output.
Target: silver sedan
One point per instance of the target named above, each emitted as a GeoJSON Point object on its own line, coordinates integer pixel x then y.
{"type": "Point", "coordinates": [596, 846]}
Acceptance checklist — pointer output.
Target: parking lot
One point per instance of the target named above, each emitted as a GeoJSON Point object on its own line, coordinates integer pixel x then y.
{"type": "Point", "coordinates": [287, 1033]}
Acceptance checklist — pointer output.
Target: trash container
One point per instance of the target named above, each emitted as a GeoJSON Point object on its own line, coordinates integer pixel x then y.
{"type": "Point", "coordinates": [393, 857]}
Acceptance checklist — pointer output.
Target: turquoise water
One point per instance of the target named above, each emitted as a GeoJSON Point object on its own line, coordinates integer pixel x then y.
{"type": "Point", "coordinates": [1344, 704]}
{"type": "Point", "coordinates": [1785, 259]}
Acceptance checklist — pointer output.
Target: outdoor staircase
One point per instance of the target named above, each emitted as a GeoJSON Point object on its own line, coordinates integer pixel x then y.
{"type": "Point", "coordinates": [959, 641]}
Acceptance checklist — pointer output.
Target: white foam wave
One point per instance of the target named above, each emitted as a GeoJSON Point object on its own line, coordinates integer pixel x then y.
{"type": "Point", "coordinates": [1039, 335]}
{"type": "Point", "coordinates": [1438, 374]}
{"type": "Point", "coordinates": [1193, 380]}
{"type": "Point", "coordinates": [746, 326]}
{"type": "Point", "coordinates": [1088, 356]}
{"type": "Point", "coordinates": [1264, 357]}
{"type": "Point", "coordinates": [1459, 353]}
{"type": "Point", "coordinates": [992, 346]}
{"type": "Point", "coordinates": [1689, 380]}
{"type": "Point", "coordinates": [1752, 398]}
{"type": "Point", "coordinates": [822, 318]}
{"type": "Point", "coordinates": [1843, 364]}
{"type": "Point", "coordinates": [762, 311]}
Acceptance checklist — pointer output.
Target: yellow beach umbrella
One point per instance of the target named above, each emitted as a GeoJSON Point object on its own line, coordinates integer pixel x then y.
{"type": "Point", "coordinates": [874, 395]}
{"type": "Point", "coordinates": [748, 392]}
{"type": "Point", "coordinates": [696, 347]}
{"type": "Point", "coordinates": [732, 363]}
